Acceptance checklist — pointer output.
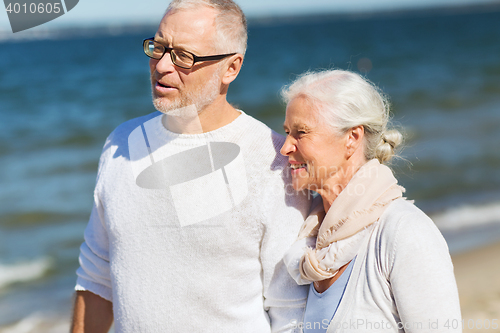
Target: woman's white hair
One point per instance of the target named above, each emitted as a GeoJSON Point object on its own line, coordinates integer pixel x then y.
{"type": "Point", "coordinates": [344, 100]}
{"type": "Point", "coordinates": [230, 23]}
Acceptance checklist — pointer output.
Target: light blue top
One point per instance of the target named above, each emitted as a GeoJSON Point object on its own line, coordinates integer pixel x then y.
{"type": "Point", "coordinates": [321, 307]}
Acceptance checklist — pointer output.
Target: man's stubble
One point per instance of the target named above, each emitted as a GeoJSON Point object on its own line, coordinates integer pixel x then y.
{"type": "Point", "coordinates": [200, 98]}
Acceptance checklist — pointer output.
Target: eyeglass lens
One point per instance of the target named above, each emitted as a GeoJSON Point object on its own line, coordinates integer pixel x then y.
{"type": "Point", "coordinates": [179, 57]}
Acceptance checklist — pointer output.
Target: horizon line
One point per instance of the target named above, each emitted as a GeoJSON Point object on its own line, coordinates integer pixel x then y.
{"type": "Point", "coordinates": [123, 26]}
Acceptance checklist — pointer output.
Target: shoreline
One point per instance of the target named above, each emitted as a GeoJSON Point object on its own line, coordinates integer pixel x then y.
{"type": "Point", "coordinates": [477, 273]}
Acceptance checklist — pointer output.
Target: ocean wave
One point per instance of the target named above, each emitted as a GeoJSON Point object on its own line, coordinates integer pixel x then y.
{"type": "Point", "coordinates": [468, 216]}
{"type": "Point", "coordinates": [23, 271]}
{"type": "Point", "coordinates": [39, 323]}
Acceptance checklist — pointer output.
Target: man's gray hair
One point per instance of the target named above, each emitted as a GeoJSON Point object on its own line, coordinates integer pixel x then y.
{"type": "Point", "coordinates": [230, 23]}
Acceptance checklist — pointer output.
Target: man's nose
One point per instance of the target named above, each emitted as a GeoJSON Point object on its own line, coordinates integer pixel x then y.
{"type": "Point", "coordinates": [288, 146]}
{"type": "Point", "coordinates": [165, 64]}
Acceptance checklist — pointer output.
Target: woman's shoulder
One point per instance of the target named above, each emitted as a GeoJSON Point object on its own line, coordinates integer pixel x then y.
{"type": "Point", "coordinates": [403, 211]}
{"type": "Point", "coordinates": [402, 220]}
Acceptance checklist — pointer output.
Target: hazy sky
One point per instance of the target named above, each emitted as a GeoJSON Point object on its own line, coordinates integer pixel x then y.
{"type": "Point", "coordinates": [120, 11]}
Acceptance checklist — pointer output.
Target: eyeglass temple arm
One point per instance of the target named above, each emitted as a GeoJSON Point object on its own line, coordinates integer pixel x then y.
{"type": "Point", "coordinates": [214, 57]}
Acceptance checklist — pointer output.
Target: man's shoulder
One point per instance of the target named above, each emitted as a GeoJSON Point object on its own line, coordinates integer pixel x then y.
{"type": "Point", "coordinates": [122, 132]}
{"type": "Point", "coordinates": [265, 140]}
{"type": "Point", "coordinates": [117, 142]}
{"type": "Point", "coordinates": [261, 128]}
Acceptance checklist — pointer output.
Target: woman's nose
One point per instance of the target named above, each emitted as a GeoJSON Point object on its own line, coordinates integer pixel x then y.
{"type": "Point", "coordinates": [288, 146]}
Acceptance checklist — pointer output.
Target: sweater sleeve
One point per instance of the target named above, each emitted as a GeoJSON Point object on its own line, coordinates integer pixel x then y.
{"type": "Point", "coordinates": [284, 300]}
{"type": "Point", "coordinates": [421, 277]}
{"type": "Point", "coordinates": [94, 273]}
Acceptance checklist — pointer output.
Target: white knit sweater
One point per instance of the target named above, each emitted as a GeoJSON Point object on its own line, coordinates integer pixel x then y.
{"type": "Point", "coordinates": [201, 253]}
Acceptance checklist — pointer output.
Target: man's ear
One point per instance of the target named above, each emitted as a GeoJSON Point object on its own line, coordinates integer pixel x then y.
{"type": "Point", "coordinates": [233, 68]}
{"type": "Point", "coordinates": [355, 139]}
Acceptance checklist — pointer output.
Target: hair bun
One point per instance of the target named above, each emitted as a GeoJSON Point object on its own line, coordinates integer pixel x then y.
{"type": "Point", "coordinates": [389, 141]}
{"type": "Point", "coordinates": [393, 137]}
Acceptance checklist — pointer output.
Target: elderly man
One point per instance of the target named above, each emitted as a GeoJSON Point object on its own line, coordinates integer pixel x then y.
{"type": "Point", "coordinates": [192, 209]}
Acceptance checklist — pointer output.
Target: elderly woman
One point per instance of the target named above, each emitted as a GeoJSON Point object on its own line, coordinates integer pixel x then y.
{"type": "Point", "coordinates": [374, 261]}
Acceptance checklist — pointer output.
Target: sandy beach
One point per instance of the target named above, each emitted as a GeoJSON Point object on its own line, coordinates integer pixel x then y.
{"type": "Point", "coordinates": [478, 278]}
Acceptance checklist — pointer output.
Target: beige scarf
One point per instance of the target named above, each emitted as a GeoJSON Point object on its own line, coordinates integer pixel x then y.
{"type": "Point", "coordinates": [339, 234]}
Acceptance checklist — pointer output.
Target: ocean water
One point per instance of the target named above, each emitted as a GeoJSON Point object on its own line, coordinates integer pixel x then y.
{"type": "Point", "coordinates": [61, 96]}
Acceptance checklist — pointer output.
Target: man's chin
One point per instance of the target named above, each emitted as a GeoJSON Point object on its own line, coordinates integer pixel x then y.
{"type": "Point", "coordinates": [165, 106]}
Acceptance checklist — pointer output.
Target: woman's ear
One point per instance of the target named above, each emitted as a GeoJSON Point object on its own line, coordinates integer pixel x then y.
{"type": "Point", "coordinates": [354, 139]}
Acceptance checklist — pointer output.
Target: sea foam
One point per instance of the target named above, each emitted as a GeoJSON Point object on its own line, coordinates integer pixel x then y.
{"type": "Point", "coordinates": [467, 216]}
{"type": "Point", "coordinates": [23, 271]}
{"type": "Point", "coordinates": [39, 323]}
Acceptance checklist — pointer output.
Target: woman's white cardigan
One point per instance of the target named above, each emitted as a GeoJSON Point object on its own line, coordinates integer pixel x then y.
{"type": "Point", "coordinates": [402, 280]}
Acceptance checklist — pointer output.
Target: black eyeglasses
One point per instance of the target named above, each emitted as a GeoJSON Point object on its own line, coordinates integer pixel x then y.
{"type": "Point", "coordinates": [181, 58]}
